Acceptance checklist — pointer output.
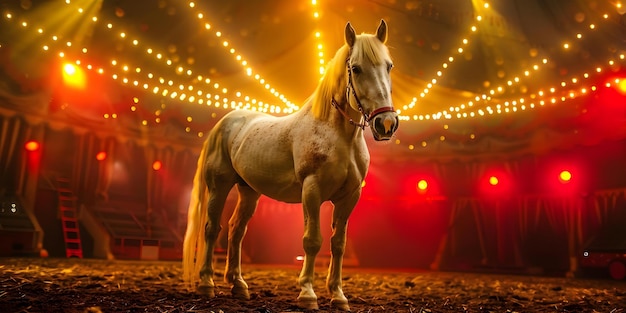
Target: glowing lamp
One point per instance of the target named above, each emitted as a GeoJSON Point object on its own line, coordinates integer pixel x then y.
{"type": "Point", "coordinates": [101, 156]}
{"type": "Point", "coordinates": [31, 146]}
{"type": "Point", "coordinates": [493, 180]}
{"type": "Point", "coordinates": [621, 8]}
{"type": "Point", "coordinates": [73, 76]}
{"type": "Point", "coordinates": [422, 185]}
{"type": "Point", "coordinates": [565, 177]}
{"type": "Point", "coordinates": [621, 86]}
{"type": "Point", "coordinates": [156, 165]}
{"type": "Point", "coordinates": [69, 69]}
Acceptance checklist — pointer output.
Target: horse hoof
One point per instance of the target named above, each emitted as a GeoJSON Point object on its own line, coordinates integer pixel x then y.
{"type": "Point", "coordinates": [341, 305]}
{"type": "Point", "coordinates": [206, 290]}
{"type": "Point", "coordinates": [308, 303]}
{"type": "Point", "coordinates": [240, 292]}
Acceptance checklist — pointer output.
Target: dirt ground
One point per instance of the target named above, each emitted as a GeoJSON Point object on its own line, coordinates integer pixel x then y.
{"type": "Point", "coordinates": [80, 285]}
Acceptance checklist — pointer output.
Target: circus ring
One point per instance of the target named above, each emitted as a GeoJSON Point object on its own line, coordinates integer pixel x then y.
{"type": "Point", "coordinates": [89, 285]}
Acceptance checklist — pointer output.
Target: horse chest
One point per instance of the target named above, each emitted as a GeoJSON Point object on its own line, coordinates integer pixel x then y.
{"type": "Point", "coordinates": [333, 163]}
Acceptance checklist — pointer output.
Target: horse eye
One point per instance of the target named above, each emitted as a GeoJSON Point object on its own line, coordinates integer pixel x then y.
{"type": "Point", "coordinates": [356, 69]}
{"type": "Point", "coordinates": [389, 67]}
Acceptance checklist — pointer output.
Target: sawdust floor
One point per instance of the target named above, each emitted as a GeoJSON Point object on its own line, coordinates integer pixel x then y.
{"type": "Point", "coordinates": [80, 285]}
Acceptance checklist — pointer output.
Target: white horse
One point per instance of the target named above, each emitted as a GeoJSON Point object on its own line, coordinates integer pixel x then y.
{"type": "Point", "coordinates": [314, 155]}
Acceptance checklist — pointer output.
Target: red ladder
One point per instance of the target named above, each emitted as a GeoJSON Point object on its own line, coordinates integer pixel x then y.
{"type": "Point", "coordinates": [69, 220]}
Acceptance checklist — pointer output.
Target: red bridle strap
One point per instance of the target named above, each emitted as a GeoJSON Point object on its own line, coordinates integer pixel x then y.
{"type": "Point", "coordinates": [350, 120]}
{"type": "Point", "coordinates": [378, 111]}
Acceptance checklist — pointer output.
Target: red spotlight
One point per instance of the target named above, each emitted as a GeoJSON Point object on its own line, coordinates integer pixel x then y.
{"type": "Point", "coordinates": [74, 76]}
{"type": "Point", "coordinates": [31, 146]}
{"type": "Point", "coordinates": [101, 156]}
{"type": "Point", "coordinates": [496, 183]}
{"type": "Point", "coordinates": [422, 185]}
{"type": "Point", "coordinates": [156, 165]}
{"type": "Point", "coordinates": [565, 176]}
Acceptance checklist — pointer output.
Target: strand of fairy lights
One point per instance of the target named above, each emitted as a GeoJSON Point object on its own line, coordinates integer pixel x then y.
{"type": "Point", "coordinates": [128, 81]}
{"type": "Point", "coordinates": [583, 91]}
{"type": "Point", "coordinates": [542, 97]}
{"type": "Point", "coordinates": [318, 36]}
{"type": "Point", "coordinates": [264, 107]}
{"type": "Point", "coordinates": [516, 80]}
{"type": "Point", "coordinates": [180, 69]}
{"type": "Point", "coordinates": [571, 94]}
{"type": "Point", "coordinates": [553, 95]}
{"type": "Point", "coordinates": [216, 99]}
{"type": "Point", "coordinates": [444, 66]}
{"type": "Point", "coordinates": [247, 105]}
{"type": "Point", "coordinates": [244, 63]}
{"type": "Point", "coordinates": [61, 54]}
{"type": "Point", "coordinates": [164, 91]}
{"type": "Point", "coordinates": [125, 80]}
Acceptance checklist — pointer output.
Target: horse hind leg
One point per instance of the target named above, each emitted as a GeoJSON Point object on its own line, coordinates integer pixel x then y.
{"type": "Point", "coordinates": [216, 202]}
{"type": "Point", "coordinates": [238, 225]}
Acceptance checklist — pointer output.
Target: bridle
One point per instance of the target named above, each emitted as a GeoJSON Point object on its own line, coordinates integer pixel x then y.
{"type": "Point", "coordinates": [350, 90]}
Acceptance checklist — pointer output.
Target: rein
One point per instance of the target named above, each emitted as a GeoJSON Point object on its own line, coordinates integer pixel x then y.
{"type": "Point", "coordinates": [350, 89]}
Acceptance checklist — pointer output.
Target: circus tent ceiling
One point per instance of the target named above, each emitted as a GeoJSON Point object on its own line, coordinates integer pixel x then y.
{"type": "Point", "coordinates": [463, 69]}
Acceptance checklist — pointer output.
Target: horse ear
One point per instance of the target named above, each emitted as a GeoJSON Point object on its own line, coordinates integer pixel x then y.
{"type": "Point", "coordinates": [381, 33]}
{"type": "Point", "coordinates": [350, 35]}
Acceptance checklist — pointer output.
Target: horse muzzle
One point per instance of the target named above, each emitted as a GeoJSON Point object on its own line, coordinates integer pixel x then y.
{"type": "Point", "coordinates": [384, 125]}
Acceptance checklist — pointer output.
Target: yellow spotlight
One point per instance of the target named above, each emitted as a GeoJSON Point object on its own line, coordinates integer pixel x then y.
{"type": "Point", "coordinates": [74, 76]}
{"type": "Point", "coordinates": [422, 185]}
{"type": "Point", "coordinates": [621, 86]}
{"type": "Point", "coordinates": [565, 176]}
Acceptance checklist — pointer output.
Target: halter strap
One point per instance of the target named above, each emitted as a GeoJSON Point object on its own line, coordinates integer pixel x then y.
{"type": "Point", "coordinates": [381, 110]}
{"type": "Point", "coordinates": [350, 120]}
{"type": "Point", "coordinates": [350, 89]}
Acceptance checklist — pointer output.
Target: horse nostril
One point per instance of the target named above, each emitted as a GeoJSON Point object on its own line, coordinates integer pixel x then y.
{"type": "Point", "coordinates": [385, 125]}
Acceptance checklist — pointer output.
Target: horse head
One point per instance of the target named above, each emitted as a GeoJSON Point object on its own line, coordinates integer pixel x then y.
{"type": "Point", "coordinates": [369, 84]}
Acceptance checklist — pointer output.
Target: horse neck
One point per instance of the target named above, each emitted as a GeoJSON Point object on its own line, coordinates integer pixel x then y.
{"type": "Point", "coordinates": [333, 86]}
{"type": "Point", "coordinates": [343, 122]}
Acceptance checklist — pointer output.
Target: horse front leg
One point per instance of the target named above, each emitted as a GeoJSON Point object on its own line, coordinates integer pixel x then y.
{"type": "Point", "coordinates": [238, 225]}
{"type": "Point", "coordinates": [311, 242]}
{"type": "Point", "coordinates": [341, 213]}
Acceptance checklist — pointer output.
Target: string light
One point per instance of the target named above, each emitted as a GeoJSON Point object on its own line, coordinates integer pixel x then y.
{"type": "Point", "coordinates": [487, 98]}
{"type": "Point", "coordinates": [162, 86]}
{"type": "Point", "coordinates": [439, 74]}
{"type": "Point", "coordinates": [244, 63]}
{"type": "Point", "coordinates": [318, 40]}
{"type": "Point", "coordinates": [248, 104]}
{"type": "Point", "coordinates": [159, 56]}
{"type": "Point", "coordinates": [99, 70]}
{"type": "Point", "coordinates": [567, 90]}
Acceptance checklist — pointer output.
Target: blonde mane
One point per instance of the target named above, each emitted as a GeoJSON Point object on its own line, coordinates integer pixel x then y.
{"type": "Point", "coordinates": [366, 48]}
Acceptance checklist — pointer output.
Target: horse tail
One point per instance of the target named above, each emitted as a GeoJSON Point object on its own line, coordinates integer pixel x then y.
{"type": "Point", "coordinates": [194, 244]}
